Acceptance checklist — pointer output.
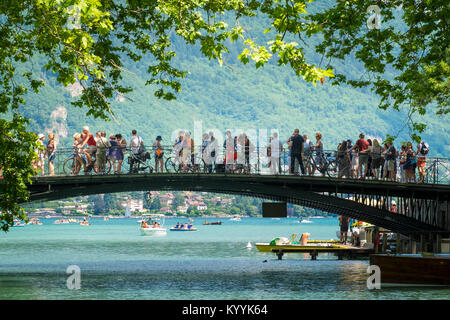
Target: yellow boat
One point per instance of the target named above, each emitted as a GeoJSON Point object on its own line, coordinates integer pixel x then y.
{"type": "Point", "coordinates": [284, 243]}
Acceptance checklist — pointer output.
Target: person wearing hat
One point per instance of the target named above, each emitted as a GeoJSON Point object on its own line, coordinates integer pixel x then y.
{"type": "Point", "coordinates": [159, 154]}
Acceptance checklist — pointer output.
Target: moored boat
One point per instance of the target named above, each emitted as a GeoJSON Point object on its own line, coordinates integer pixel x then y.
{"type": "Point", "coordinates": [282, 243]}
{"type": "Point", "coordinates": [212, 223]}
{"type": "Point", "coordinates": [413, 269]}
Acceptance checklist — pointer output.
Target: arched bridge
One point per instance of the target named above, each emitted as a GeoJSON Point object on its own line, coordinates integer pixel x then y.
{"type": "Point", "coordinates": [422, 208]}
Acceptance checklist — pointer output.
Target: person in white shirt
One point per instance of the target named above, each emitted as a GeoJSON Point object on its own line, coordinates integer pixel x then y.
{"type": "Point", "coordinates": [136, 146]}
{"type": "Point", "coordinates": [307, 153]}
{"type": "Point", "coordinates": [275, 150]}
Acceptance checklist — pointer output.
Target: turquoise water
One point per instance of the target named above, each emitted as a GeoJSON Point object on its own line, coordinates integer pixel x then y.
{"type": "Point", "coordinates": [116, 262]}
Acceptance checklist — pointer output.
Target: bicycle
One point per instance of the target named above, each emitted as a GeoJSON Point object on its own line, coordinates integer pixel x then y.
{"type": "Point", "coordinates": [73, 164]}
{"type": "Point", "coordinates": [327, 164]}
{"type": "Point", "coordinates": [175, 164]}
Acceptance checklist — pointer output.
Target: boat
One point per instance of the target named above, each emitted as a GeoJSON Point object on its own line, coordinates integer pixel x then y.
{"type": "Point", "coordinates": [212, 223]}
{"type": "Point", "coordinates": [152, 231]}
{"type": "Point", "coordinates": [413, 269]}
{"type": "Point", "coordinates": [61, 221]}
{"type": "Point", "coordinates": [105, 219]}
{"type": "Point", "coordinates": [235, 219]}
{"type": "Point", "coordinates": [305, 221]}
{"type": "Point", "coordinates": [249, 245]}
{"type": "Point", "coordinates": [84, 222]}
{"type": "Point", "coordinates": [35, 222]}
{"type": "Point", "coordinates": [282, 243]}
{"type": "Point", "coordinates": [191, 220]}
{"type": "Point", "coordinates": [18, 223]}
{"type": "Point", "coordinates": [178, 229]}
{"type": "Point", "coordinates": [184, 228]}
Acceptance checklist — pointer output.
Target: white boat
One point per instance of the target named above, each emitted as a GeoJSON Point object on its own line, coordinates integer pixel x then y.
{"type": "Point", "coordinates": [154, 232]}
{"type": "Point", "coordinates": [235, 219]}
{"type": "Point", "coordinates": [305, 221]}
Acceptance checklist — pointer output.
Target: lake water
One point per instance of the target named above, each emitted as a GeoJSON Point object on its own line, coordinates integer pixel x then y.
{"type": "Point", "coordinates": [116, 262]}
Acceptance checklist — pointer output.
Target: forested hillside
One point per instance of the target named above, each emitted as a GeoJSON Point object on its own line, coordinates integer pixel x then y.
{"type": "Point", "coordinates": [233, 96]}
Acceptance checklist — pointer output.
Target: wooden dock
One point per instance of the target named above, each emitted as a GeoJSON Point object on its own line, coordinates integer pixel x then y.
{"type": "Point", "coordinates": [340, 251]}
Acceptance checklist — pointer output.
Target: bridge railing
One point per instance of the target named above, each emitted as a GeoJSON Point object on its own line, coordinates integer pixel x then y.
{"type": "Point", "coordinates": [254, 161]}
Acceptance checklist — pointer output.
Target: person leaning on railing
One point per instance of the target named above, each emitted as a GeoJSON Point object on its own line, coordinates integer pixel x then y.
{"type": "Point", "coordinates": [51, 149]}
{"type": "Point", "coordinates": [102, 146]}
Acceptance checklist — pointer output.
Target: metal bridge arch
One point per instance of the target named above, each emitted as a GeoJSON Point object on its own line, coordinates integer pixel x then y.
{"type": "Point", "coordinates": [421, 205]}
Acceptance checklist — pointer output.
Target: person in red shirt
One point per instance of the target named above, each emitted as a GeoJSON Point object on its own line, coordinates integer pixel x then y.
{"type": "Point", "coordinates": [393, 207]}
{"type": "Point", "coordinates": [363, 150]}
{"type": "Point", "coordinates": [91, 145]}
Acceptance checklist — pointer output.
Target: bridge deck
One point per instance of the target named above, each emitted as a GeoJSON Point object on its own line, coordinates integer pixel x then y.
{"type": "Point", "coordinates": [360, 199]}
{"type": "Point", "coordinates": [306, 183]}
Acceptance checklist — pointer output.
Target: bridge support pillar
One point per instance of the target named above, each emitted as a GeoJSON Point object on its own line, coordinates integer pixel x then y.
{"type": "Point", "coordinates": [438, 243]}
{"type": "Point", "coordinates": [384, 248]}
{"type": "Point", "coordinates": [422, 244]}
{"type": "Point", "coordinates": [398, 244]}
{"type": "Point", "coordinates": [413, 245]}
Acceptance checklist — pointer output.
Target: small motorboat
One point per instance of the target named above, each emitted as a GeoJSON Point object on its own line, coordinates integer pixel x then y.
{"type": "Point", "coordinates": [84, 223]}
{"type": "Point", "coordinates": [235, 219]}
{"type": "Point", "coordinates": [17, 223]}
{"type": "Point", "coordinates": [304, 221]}
{"type": "Point", "coordinates": [61, 221]}
{"type": "Point", "coordinates": [152, 231]}
{"type": "Point", "coordinates": [212, 223]}
{"type": "Point", "coordinates": [35, 222]}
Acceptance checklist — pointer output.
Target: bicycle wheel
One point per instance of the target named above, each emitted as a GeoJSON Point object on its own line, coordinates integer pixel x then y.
{"type": "Point", "coordinates": [171, 165]}
{"type": "Point", "coordinates": [332, 169]}
{"type": "Point", "coordinates": [69, 165]}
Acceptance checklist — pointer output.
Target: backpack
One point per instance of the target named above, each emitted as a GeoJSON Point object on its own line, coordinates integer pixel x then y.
{"type": "Point", "coordinates": [424, 148]}
{"type": "Point", "coordinates": [158, 152]}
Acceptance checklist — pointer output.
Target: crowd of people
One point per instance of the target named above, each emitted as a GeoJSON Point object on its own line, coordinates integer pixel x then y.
{"type": "Point", "coordinates": [365, 159]}
{"type": "Point", "coordinates": [368, 159]}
